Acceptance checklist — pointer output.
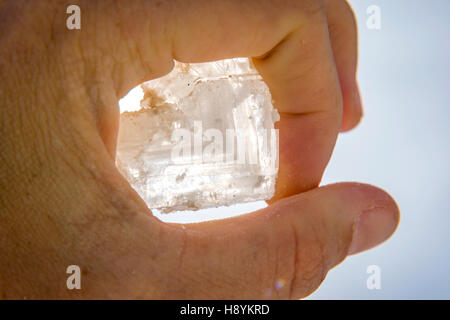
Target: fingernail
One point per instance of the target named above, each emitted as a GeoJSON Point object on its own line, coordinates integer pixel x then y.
{"type": "Point", "coordinates": [373, 227]}
{"type": "Point", "coordinates": [357, 105]}
{"type": "Point", "coordinates": [353, 111]}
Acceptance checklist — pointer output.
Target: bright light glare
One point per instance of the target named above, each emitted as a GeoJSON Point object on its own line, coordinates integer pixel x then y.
{"type": "Point", "coordinates": [131, 101]}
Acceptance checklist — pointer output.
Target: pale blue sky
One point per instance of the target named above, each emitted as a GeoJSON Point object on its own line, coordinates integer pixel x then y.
{"type": "Point", "coordinates": [402, 145]}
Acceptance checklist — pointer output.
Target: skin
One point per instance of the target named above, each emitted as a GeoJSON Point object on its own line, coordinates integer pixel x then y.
{"type": "Point", "coordinates": [63, 202]}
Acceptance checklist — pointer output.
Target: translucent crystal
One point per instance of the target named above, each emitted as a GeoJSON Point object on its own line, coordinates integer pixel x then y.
{"type": "Point", "coordinates": [203, 137]}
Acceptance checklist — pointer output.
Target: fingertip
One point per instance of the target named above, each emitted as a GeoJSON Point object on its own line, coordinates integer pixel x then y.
{"type": "Point", "coordinates": [376, 223]}
{"type": "Point", "coordinates": [363, 217]}
{"type": "Point", "coordinates": [372, 228]}
{"type": "Point", "coordinates": [353, 111]}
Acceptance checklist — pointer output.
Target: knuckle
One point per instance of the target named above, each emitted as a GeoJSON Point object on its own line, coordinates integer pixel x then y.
{"type": "Point", "coordinates": [309, 262]}
{"type": "Point", "coordinates": [312, 7]}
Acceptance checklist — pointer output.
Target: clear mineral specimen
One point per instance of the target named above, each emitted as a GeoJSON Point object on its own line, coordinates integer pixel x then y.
{"type": "Point", "coordinates": [203, 137]}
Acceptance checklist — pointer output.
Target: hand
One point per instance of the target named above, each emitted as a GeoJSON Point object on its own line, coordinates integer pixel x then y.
{"type": "Point", "coordinates": [63, 201]}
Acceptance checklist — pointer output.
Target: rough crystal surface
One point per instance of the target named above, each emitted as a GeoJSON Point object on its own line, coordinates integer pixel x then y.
{"type": "Point", "coordinates": [203, 137]}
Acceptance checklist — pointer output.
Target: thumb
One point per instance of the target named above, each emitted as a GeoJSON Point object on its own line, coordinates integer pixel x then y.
{"type": "Point", "coordinates": [286, 249]}
{"type": "Point", "coordinates": [347, 218]}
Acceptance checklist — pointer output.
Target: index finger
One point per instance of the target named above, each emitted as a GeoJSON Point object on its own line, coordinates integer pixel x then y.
{"type": "Point", "coordinates": [290, 46]}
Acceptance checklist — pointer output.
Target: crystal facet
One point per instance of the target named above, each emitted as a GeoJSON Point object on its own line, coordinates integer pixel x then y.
{"type": "Point", "coordinates": [203, 137]}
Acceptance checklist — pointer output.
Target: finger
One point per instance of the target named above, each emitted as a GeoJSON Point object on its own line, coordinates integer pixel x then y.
{"type": "Point", "coordinates": [343, 35]}
{"type": "Point", "coordinates": [287, 248]}
{"type": "Point", "coordinates": [298, 66]}
{"type": "Point", "coordinates": [302, 78]}
{"type": "Point", "coordinates": [289, 41]}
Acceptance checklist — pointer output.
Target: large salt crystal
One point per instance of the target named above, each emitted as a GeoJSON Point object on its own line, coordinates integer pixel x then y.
{"type": "Point", "coordinates": [203, 137]}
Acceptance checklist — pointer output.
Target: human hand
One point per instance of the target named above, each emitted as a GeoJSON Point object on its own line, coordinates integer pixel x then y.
{"type": "Point", "coordinates": [63, 201]}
